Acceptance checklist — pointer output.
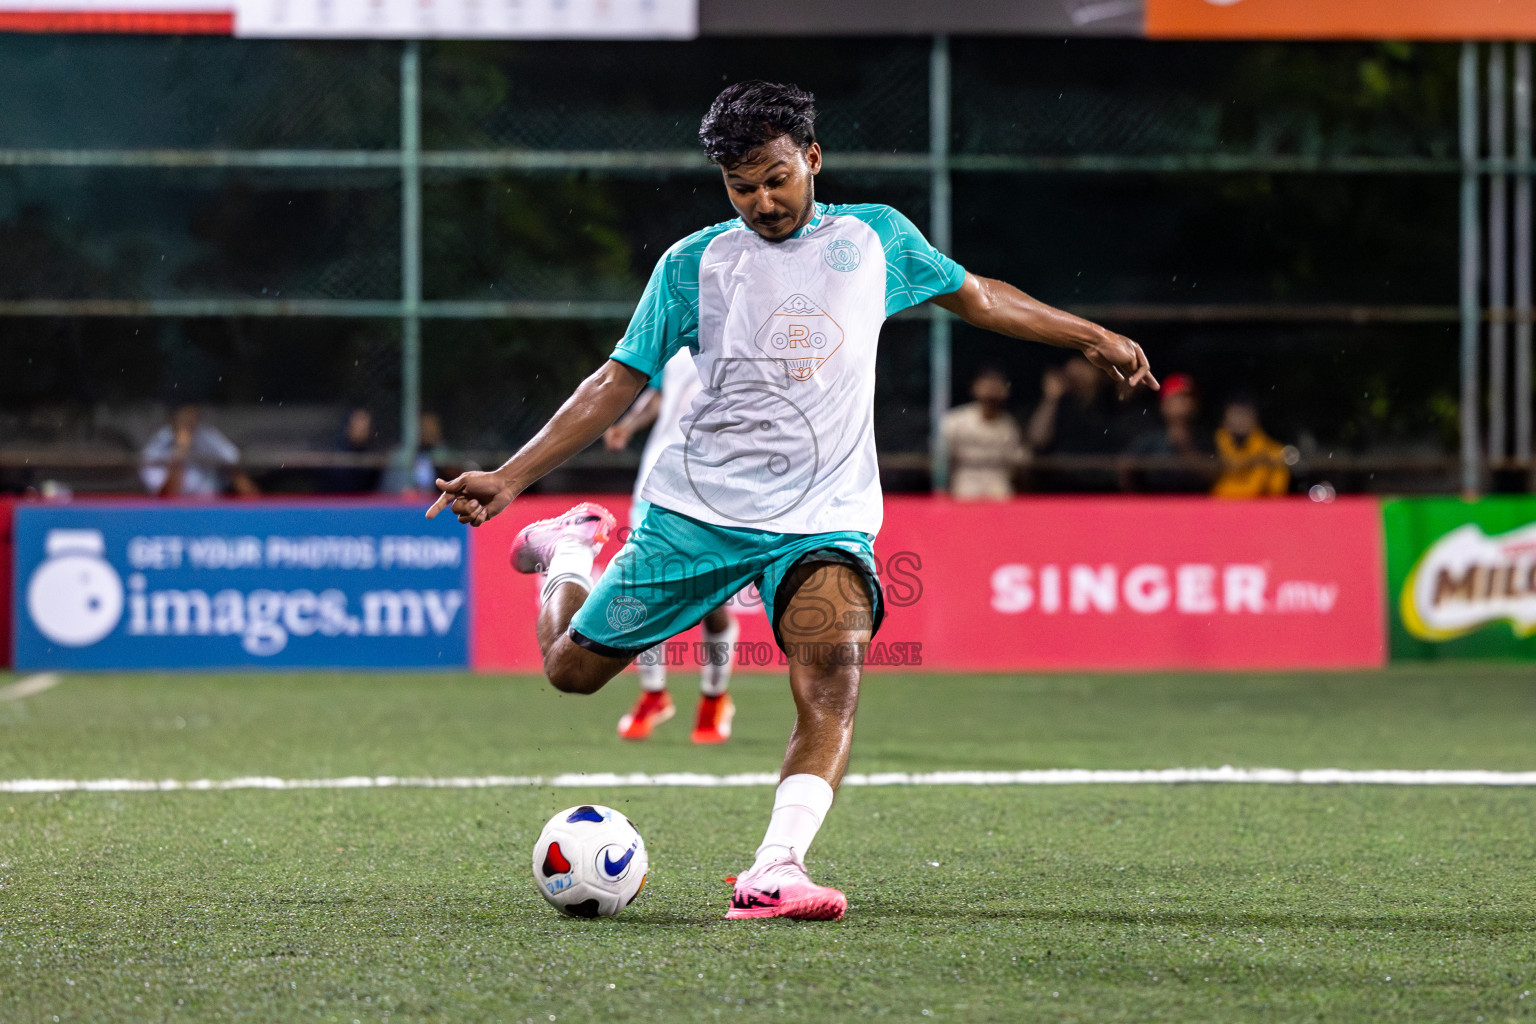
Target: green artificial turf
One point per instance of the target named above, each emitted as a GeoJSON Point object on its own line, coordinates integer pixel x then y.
{"type": "Point", "coordinates": [196, 726]}
{"type": "Point", "coordinates": [1092, 903]}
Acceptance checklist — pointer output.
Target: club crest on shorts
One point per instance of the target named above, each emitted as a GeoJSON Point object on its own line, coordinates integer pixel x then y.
{"type": "Point", "coordinates": [626, 613]}
{"type": "Point", "coordinates": [842, 255]}
{"type": "Point", "coordinates": [800, 335]}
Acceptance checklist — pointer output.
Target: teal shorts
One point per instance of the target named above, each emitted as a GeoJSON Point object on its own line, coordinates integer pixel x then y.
{"type": "Point", "coordinates": [674, 570]}
{"type": "Point", "coordinates": [637, 510]}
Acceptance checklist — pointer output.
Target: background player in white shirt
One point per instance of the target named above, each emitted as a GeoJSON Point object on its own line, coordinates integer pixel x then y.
{"type": "Point", "coordinates": [776, 481]}
{"type": "Point", "coordinates": [662, 410]}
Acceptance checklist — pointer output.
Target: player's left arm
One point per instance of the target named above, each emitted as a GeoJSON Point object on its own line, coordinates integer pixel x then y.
{"type": "Point", "coordinates": [997, 306]}
{"type": "Point", "coordinates": [640, 415]}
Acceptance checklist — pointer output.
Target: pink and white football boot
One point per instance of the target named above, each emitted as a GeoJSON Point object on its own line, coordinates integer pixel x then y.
{"type": "Point", "coordinates": [783, 889]}
{"type": "Point", "coordinates": [535, 543]}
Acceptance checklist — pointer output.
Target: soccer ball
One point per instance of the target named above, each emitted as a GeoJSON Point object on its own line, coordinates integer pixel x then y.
{"type": "Point", "coordinates": [590, 861]}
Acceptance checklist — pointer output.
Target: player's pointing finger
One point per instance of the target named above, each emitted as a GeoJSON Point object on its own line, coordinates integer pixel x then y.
{"type": "Point", "coordinates": [1144, 370]}
{"type": "Point", "coordinates": [449, 488]}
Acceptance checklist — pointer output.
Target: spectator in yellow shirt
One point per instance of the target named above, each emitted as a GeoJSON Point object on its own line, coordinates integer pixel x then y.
{"type": "Point", "coordinates": [1253, 464]}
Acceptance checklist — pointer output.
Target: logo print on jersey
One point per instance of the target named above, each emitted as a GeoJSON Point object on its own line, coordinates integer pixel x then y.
{"type": "Point", "coordinates": [800, 335]}
{"type": "Point", "coordinates": [842, 255]}
{"type": "Point", "coordinates": [752, 436]}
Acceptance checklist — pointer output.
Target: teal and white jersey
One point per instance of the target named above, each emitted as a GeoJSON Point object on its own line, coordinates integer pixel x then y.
{"type": "Point", "coordinates": [783, 337]}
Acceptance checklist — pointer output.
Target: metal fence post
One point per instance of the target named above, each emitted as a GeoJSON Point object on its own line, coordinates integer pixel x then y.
{"type": "Point", "coordinates": [1498, 254]}
{"type": "Point", "coordinates": [1522, 375]}
{"type": "Point", "coordinates": [410, 253]}
{"type": "Point", "coordinates": [1471, 471]}
{"type": "Point", "coordinates": [941, 234]}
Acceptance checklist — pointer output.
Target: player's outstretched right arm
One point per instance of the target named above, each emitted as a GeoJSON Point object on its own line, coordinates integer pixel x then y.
{"type": "Point", "coordinates": [592, 408]}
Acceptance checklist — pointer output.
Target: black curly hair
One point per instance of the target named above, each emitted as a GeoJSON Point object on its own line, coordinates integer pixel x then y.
{"type": "Point", "coordinates": [747, 115]}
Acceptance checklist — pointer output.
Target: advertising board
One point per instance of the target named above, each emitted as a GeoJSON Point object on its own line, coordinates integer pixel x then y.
{"type": "Point", "coordinates": [1063, 583]}
{"type": "Point", "coordinates": [7, 514]}
{"type": "Point", "coordinates": [138, 585]}
{"type": "Point", "coordinates": [1461, 577]}
{"type": "Point", "coordinates": [363, 19]}
{"type": "Point", "coordinates": [1341, 19]}
{"type": "Point", "coordinates": [1180, 583]}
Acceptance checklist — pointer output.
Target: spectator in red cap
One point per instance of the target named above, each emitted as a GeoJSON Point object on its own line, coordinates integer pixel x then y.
{"type": "Point", "coordinates": [1186, 464]}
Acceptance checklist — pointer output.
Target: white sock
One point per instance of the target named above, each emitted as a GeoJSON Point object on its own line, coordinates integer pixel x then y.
{"type": "Point", "coordinates": [713, 678]}
{"type": "Point", "coordinates": [652, 666]}
{"type": "Point", "coordinates": [799, 806]}
{"type": "Point", "coordinates": [569, 562]}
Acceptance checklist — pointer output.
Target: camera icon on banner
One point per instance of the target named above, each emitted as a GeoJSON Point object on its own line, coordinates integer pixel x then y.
{"type": "Point", "coordinates": [75, 597]}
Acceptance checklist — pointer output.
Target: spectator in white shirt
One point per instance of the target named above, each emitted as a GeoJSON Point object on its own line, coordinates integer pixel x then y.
{"type": "Point", "coordinates": [189, 458]}
{"type": "Point", "coordinates": [985, 444]}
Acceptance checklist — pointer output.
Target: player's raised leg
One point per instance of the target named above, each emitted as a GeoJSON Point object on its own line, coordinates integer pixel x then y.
{"type": "Point", "coordinates": [826, 627]}
{"type": "Point", "coordinates": [562, 550]}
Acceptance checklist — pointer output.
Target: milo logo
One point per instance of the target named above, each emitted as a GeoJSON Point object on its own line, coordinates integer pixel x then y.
{"type": "Point", "coordinates": [1468, 579]}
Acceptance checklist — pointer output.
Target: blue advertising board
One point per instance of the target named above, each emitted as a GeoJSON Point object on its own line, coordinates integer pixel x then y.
{"type": "Point", "coordinates": [239, 586]}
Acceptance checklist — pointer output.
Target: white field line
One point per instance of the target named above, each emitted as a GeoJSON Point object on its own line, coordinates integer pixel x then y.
{"type": "Point", "coordinates": [30, 686]}
{"type": "Point", "coordinates": [603, 780]}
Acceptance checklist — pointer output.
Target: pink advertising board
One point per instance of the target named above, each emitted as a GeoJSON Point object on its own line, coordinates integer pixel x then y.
{"type": "Point", "coordinates": [1059, 583]}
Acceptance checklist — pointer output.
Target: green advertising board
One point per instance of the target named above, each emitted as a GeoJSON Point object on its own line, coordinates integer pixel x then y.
{"type": "Point", "coordinates": [1461, 577]}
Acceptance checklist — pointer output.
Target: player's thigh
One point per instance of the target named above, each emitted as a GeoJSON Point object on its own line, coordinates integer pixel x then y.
{"type": "Point", "coordinates": [823, 602]}
{"type": "Point", "coordinates": [825, 630]}
{"type": "Point", "coordinates": [823, 589]}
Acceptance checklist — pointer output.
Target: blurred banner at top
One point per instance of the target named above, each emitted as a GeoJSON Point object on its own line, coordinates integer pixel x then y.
{"type": "Point", "coordinates": [687, 19]}
{"type": "Point", "coordinates": [358, 19]}
{"type": "Point", "coordinates": [1341, 19]}
{"type": "Point", "coordinates": [497, 19]}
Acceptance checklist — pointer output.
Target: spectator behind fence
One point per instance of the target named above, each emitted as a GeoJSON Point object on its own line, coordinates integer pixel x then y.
{"type": "Point", "coordinates": [1072, 419]}
{"type": "Point", "coordinates": [357, 438]}
{"type": "Point", "coordinates": [1253, 464]}
{"type": "Point", "coordinates": [983, 440]}
{"type": "Point", "coordinates": [429, 462]}
{"type": "Point", "coordinates": [188, 457]}
{"type": "Point", "coordinates": [1178, 440]}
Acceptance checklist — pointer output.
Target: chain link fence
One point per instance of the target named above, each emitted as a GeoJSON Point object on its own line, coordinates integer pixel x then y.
{"type": "Point", "coordinates": [222, 222]}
